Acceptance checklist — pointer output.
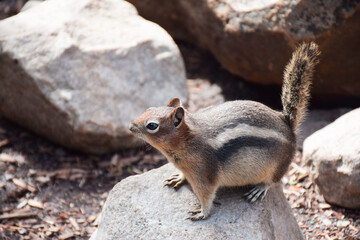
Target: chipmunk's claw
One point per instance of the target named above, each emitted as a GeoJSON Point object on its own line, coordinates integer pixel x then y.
{"type": "Point", "coordinates": [257, 193]}
{"type": "Point", "coordinates": [197, 215]}
{"type": "Point", "coordinates": [196, 211]}
{"type": "Point", "coordinates": [175, 181]}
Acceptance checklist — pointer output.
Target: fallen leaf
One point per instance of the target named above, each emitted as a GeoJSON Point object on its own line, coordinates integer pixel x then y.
{"type": "Point", "coordinates": [122, 162]}
{"type": "Point", "coordinates": [292, 171]}
{"type": "Point", "coordinates": [66, 235]}
{"type": "Point", "coordinates": [294, 188]}
{"type": "Point", "coordinates": [12, 158]}
{"type": "Point", "coordinates": [22, 231]}
{"type": "Point", "coordinates": [19, 214]}
{"type": "Point", "coordinates": [324, 206]}
{"type": "Point", "coordinates": [64, 215]}
{"type": "Point", "coordinates": [53, 229]}
{"type": "Point", "coordinates": [38, 226]}
{"type": "Point", "coordinates": [30, 187]}
{"type": "Point", "coordinates": [50, 220]}
{"type": "Point", "coordinates": [22, 184]}
{"type": "Point", "coordinates": [342, 223]}
{"type": "Point", "coordinates": [4, 157]}
{"type": "Point", "coordinates": [22, 204]}
{"type": "Point", "coordinates": [104, 195]}
{"type": "Point", "coordinates": [75, 176]}
{"type": "Point", "coordinates": [97, 220]}
{"type": "Point", "coordinates": [35, 203]}
{"type": "Point", "coordinates": [74, 223]}
{"type": "Point", "coordinates": [62, 173]}
{"type": "Point", "coordinates": [34, 236]}
{"type": "Point", "coordinates": [302, 176]}
{"type": "Point", "coordinates": [91, 218]}
{"type": "Point", "coordinates": [308, 185]}
{"type": "Point", "coordinates": [42, 179]}
{"type": "Point", "coordinates": [32, 172]}
{"type": "Point", "coordinates": [19, 182]}
{"type": "Point", "coordinates": [81, 220]}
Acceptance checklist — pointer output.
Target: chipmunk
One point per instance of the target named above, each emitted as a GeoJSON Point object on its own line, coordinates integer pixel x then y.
{"type": "Point", "coordinates": [236, 143]}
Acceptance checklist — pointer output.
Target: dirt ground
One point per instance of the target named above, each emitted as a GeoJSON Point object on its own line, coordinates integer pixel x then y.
{"type": "Point", "coordinates": [49, 192]}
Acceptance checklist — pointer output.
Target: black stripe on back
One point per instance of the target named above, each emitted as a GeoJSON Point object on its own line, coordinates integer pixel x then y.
{"type": "Point", "coordinates": [231, 147]}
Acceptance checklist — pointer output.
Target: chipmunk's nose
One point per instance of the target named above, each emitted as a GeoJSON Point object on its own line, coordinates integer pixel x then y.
{"type": "Point", "coordinates": [132, 127]}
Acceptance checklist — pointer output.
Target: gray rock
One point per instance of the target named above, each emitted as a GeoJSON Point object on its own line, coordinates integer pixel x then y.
{"type": "Point", "coordinates": [255, 39]}
{"type": "Point", "coordinates": [317, 119]}
{"type": "Point", "coordinates": [334, 155]}
{"type": "Point", "coordinates": [139, 207]}
{"type": "Point", "coordinates": [77, 72]}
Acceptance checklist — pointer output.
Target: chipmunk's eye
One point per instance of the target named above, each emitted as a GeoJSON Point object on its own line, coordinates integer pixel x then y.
{"type": "Point", "coordinates": [152, 127]}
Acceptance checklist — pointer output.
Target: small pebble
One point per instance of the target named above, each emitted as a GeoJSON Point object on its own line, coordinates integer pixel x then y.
{"type": "Point", "coordinates": [9, 176]}
{"type": "Point", "coordinates": [343, 223]}
{"type": "Point", "coordinates": [324, 206]}
{"type": "Point", "coordinates": [22, 231]}
{"type": "Point", "coordinates": [326, 222]}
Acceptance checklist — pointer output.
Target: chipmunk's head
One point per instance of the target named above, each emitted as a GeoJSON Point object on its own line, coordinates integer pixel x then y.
{"type": "Point", "coordinates": [162, 127]}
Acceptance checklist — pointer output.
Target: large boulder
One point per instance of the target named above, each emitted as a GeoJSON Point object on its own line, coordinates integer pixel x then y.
{"type": "Point", "coordinates": [140, 207]}
{"type": "Point", "coordinates": [77, 72]}
{"type": "Point", "coordinates": [334, 155]}
{"type": "Point", "coordinates": [255, 39]}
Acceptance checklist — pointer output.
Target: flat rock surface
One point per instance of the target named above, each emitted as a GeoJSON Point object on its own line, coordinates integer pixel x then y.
{"type": "Point", "coordinates": [77, 72]}
{"type": "Point", "coordinates": [334, 153]}
{"type": "Point", "coordinates": [139, 207]}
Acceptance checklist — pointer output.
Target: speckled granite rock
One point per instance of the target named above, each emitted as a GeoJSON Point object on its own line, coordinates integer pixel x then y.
{"type": "Point", "coordinates": [334, 154]}
{"type": "Point", "coordinates": [139, 207]}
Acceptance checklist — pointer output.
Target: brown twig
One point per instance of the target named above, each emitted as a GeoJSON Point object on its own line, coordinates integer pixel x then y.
{"type": "Point", "coordinates": [17, 215]}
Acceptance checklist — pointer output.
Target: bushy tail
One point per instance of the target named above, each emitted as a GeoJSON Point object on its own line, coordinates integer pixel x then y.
{"type": "Point", "coordinates": [297, 80]}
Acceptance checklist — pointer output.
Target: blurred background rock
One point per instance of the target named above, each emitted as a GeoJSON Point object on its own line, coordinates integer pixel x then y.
{"type": "Point", "coordinates": [77, 72]}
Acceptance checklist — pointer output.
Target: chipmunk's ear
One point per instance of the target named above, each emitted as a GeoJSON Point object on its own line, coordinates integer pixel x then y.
{"type": "Point", "coordinates": [175, 102]}
{"type": "Point", "coordinates": [178, 116]}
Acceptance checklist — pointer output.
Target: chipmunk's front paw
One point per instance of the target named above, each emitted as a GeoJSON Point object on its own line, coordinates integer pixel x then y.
{"type": "Point", "coordinates": [175, 181]}
{"type": "Point", "coordinates": [197, 215]}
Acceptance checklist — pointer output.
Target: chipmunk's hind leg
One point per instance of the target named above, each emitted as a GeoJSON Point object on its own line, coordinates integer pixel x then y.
{"type": "Point", "coordinates": [258, 192]}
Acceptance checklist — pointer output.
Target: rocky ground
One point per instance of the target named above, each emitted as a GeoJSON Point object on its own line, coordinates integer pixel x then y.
{"type": "Point", "coordinates": [48, 192]}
